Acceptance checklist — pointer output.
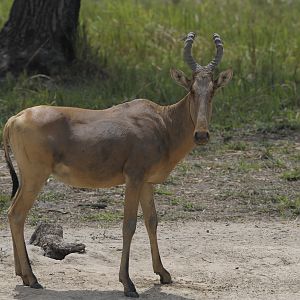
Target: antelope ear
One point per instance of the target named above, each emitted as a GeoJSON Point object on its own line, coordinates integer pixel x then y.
{"type": "Point", "coordinates": [223, 78]}
{"type": "Point", "coordinates": [180, 78]}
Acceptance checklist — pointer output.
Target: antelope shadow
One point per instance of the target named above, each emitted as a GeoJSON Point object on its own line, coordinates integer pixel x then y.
{"type": "Point", "coordinates": [155, 292]}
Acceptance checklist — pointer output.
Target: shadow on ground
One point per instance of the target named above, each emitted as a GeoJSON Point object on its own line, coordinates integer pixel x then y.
{"type": "Point", "coordinates": [48, 294]}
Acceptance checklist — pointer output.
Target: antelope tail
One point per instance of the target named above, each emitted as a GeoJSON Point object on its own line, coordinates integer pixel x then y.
{"type": "Point", "coordinates": [11, 168]}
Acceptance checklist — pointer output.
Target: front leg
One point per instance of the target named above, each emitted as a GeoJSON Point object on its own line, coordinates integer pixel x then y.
{"type": "Point", "coordinates": [150, 218]}
{"type": "Point", "coordinates": [132, 193]}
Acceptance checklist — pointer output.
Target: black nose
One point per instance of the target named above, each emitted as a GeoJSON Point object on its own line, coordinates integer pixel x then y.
{"type": "Point", "coordinates": [201, 137]}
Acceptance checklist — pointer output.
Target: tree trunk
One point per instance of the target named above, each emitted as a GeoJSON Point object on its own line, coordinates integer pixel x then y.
{"type": "Point", "coordinates": [39, 36]}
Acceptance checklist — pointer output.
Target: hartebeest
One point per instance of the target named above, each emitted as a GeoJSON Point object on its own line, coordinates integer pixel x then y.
{"type": "Point", "coordinates": [137, 143]}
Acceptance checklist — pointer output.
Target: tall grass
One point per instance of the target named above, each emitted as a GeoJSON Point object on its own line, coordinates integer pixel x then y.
{"type": "Point", "coordinates": [136, 42]}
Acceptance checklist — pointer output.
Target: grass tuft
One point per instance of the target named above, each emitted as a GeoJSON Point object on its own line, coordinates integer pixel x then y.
{"type": "Point", "coordinates": [292, 175]}
{"type": "Point", "coordinates": [161, 190]}
{"type": "Point", "coordinates": [287, 204]}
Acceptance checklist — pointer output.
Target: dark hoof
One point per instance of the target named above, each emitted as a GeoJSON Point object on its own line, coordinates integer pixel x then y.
{"type": "Point", "coordinates": [131, 294]}
{"type": "Point", "coordinates": [36, 285]}
{"type": "Point", "coordinates": [163, 281]}
{"type": "Point", "coordinates": [25, 282]}
{"type": "Point", "coordinates": [166, 279]}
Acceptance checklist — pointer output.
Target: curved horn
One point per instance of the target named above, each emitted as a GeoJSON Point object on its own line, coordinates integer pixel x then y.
{"type": "Point", "coordinates": [187, 53]}
{"type": "Point", "coordinates": [219, 45]}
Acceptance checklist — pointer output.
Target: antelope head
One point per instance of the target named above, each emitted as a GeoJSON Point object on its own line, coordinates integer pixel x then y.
{"type": "Point", "coordinates": [201, 87]}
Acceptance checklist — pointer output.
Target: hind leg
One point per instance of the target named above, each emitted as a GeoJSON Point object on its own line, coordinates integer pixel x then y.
{"type": "Point", "coordinates": [18, 270]}
{"type": "Point", "coordinates": [30, 186]}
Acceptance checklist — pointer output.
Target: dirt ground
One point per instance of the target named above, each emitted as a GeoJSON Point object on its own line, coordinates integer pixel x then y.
{"type": "Point", "coordinates": [229, 228]}
{"type": "Point", "coordinates": [208, 260]}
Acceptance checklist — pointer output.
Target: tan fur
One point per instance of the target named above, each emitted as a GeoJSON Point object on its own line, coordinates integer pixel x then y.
{"type": "Point", "coordinates": [137, 143]}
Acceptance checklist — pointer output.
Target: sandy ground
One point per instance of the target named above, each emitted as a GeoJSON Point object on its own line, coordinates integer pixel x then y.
{"type": "Point", "coordinates": [207, 260]}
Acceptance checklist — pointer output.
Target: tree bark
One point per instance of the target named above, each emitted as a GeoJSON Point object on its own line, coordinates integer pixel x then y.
{"type": "Point", "coordinates": [39, 36]}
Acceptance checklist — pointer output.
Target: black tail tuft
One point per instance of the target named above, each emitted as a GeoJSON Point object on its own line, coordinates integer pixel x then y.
{"type": "Point", "coordinates": [12, 171]}
{"type": "Point", "coordinates": [14, 178]}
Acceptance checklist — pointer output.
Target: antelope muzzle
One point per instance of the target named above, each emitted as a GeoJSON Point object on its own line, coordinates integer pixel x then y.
{"type": "Point", "coordinates": [201, 137]}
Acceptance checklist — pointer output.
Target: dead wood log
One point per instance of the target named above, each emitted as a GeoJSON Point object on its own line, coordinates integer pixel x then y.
{"type": "Point", "coordinates": [50, 238]}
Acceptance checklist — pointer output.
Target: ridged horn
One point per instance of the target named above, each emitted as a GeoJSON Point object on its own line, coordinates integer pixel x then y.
{"type": "Point", "coordinates": [187, 52]}
{"type": "Point", "coordinates": [219, 45]}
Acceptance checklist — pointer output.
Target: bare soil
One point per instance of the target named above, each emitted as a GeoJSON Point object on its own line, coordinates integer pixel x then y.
{"type": "Point", "coordinates": [229, 228]}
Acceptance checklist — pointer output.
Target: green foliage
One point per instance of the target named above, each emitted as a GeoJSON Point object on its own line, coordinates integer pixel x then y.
{"type": "Point", "coordinates": [133, 44]}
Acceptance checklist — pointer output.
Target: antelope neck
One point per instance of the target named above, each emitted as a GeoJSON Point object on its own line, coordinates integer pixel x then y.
{"type": "Point", "coordinates": [180, 125]}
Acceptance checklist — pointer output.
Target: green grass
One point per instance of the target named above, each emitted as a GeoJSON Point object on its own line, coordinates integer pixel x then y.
{"type": "Point", "coordinates": [192, 207]}
{"type": "Point", "coordinates": [269, 160]}
{"type": "Point", "coordinates": [34, 219]}
{"type": "Point", "coordinates": [183, 168]}
{"type": "Point", "coordinates": [244, 166]}
{"type": "Point", "coordinates": [237, 146]}
{"type": "Point", "coordinates": [286, 204]}
{"type": "Point", "coordinates": [161, 190]}
{"type": "Point", "coordinates": [52, 196]}
{"type": "Point", "coordinates": [175, 201]}
{"type": "Point", "coordinates": [291, 175]}
{"type": "Point", "coordinates": [136, 43]}
{"type": "Point", "coordinates": [4, 202]}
